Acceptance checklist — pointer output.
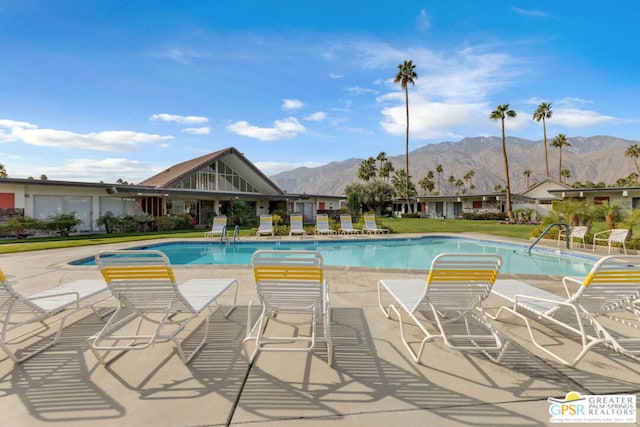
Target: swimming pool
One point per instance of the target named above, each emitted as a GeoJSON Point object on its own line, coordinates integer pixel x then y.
{"type": "Point", "coordinates": [414, 253]}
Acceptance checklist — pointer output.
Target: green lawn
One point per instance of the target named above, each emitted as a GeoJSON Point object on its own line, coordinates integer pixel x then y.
{"type": "Point", "coordinates": [397, 225]}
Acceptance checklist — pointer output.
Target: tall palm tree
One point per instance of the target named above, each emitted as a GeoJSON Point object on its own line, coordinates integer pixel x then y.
{"type": "Point", "coordinates": [452, 180]}
{"type": "Point", "coordinates": [500, 113]}
{"type": "Point", "coordinates": [406, 75]}
{"type": "Point", "coordinates": [381, 157]}
{"type": "Point", "coordinates": [560, 141]}
{"type": "Point", "coordinates": [527, 174]}
{"type": "Point", "coordinates": [566, 174]}
{"type": "Point", "coordinates": [634, 152]}
{"type": "Point", "coordinates": [439, 170]}
{"type": "Point", "coordinates": [426, 184]}
{"type": "Point", "coordinates": [468, 177]}
{"type": "Point", "coordinates": [367, 169]}
{"type": "Point", "coordinates": [544, 112]}
{"type": "Point", "coordinates": [385, 170]}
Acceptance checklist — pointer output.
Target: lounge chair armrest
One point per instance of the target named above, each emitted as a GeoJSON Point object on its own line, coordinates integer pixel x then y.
{"type": "Point", "coordinates": [39, 297]}
{"type": "Point", "coordinates": [570, 280]}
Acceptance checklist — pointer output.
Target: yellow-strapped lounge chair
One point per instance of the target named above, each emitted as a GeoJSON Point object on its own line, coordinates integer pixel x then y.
{"type": "Point", "coordinates": [346, 225]}
{"type": "Point", "coordinates": [450, 301]}
{"type": "Point", "coordinates": [218, 229]}
{"type": "Point", "coordinates": [292, 290]}
{"type": "Point", "coordinates": [17, 310]}
{"type": "Point", "coordinates": [371, 227]}
{"type": "Point", "coordinates": [297, 226]}
{"type": "Point", "coordinates": [322, 225]}
{"type": "Point", "coordinates": [607, 293]}
{"type": "Point", "coordinates": [266, 226]}
{"type": "Point", "coordinates": [144, 284]}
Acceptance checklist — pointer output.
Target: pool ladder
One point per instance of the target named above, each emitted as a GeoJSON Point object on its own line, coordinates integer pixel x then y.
{"type": "Point", "coordinates": [224, 236]}
{"type": "Point", "coordinates": [559, 224]}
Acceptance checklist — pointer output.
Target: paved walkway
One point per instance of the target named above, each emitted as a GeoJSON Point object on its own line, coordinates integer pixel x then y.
{"type": "Point", "coordinates": [373, 381]}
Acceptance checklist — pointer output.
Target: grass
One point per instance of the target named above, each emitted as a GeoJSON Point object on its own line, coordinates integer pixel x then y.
{"type": "Point", "coordinates": [397, 225]}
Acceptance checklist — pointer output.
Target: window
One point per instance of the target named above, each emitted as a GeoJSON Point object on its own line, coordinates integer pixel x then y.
{"type": "Point", "coordinates": [216, 177]}
{"type": "Point", "coordinates": [7, 201]}
{"type": "Point", "coordinates": [601, 200]}
{"type": "Point", "coordinates": [45, 207]}
{"type": "Point", "coordinates": [477, 204]}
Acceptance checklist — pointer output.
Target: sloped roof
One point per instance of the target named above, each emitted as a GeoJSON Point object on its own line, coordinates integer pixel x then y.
{"type": "Point", "coordinates": [178, 171]}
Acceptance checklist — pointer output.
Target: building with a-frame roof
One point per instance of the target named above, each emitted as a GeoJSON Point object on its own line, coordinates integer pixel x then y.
{"type": "Point", "coordinates": [202, 188]}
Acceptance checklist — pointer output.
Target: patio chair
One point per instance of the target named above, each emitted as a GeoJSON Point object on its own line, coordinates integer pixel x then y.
{"type": "Point", "coordinates": [145, 285]}
{"type": "Point", "coordinates": [371, 227]}
{"type": "Point", "coordinates": [346, 225]}
{"type": "Point", "coordinates": [218, 229]}
{"type": "Point", "coordinates": [614, 235]}
{"type": "Point", "coordinates": [322, 225]}
{"type": "Point", "coordinates": [292, 290]}
{"type": "Point", "coordinates": [17, 310]}
{"type": "Point", "coordinates": [577, 232]}
{"type": "Point", "coordinates": [589, 312]}
{"type": "Point", "coordinates": [450, 301]}
{"type": "Point", "coordinates": [266, 226]}
{"type": "Point", "coordinates": [297, 226]}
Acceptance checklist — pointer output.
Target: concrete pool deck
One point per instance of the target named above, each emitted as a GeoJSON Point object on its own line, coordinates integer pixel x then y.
{"type": "Point", "coordinates": [373, 380]}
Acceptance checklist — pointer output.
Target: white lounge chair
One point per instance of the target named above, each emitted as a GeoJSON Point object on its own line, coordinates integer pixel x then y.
{"type": "Point", "coordinates": [292, 290]}
{"type": "Point", "coordinates": [218, 229]}
{"type": "Point", "coordinates": [346, 225]}
{"type": "Point", "coordinates": [266, 226]}
{"type": "Point", "coordinates": [322, 225]}
{"type": "Point", "coordinates": [297, 226]}
{"type": "Point", "coordinates": [450, 301]}
{"type": "Point", "coordinates": [614, 235]}
{"type": "Point", "coordinates": [17, 310]}
{"type": "Point", "coordinates": [575, 233]}
{"type": "Point", "coordinates": [371, 227]}
{"type": "Point", "coordinates": [144, 284]}
{"type": "Point", "coordinates": [609, 290]}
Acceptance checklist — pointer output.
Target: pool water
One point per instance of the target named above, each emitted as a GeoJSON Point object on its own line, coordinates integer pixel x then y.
{"type": "Point", "coordinates": [415, 254]}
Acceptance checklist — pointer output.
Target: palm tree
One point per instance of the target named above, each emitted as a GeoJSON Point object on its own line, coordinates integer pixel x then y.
{"type": "Point", "coordinates": [544, 112]}
{"type": "Point", "coordinates": [427, 184]}
{"type": "Point", "coordinates": [385, 170]}
{"type": "Point", "coordinates": [634, 152]}
{"type": "Point", "coordinates": [3, 171]}
{"type": "Point", "coordinates": [501, 113]}
{"type": "Point", "coordinates": [406, 75]}
{"type": "Point", "coordinates": [452, 180]}
{"type": "Point", "coordinates": [468, 177]}
{"type": "Point", "coordinates": [560, 141]}
{"type": "Point", "coordinates": [381, 157]}
{"type": "Point", "coordinates": [527, 174]}
{"type": "Point", "coordinates": [367, 169]}
{"type": "Point", "coordinates": [566, 174]}
{"type": "Point", "coordinates": [439, 170]}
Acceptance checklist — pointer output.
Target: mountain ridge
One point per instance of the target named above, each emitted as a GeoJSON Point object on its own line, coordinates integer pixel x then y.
{"type": "Point", "coordinates": [596, 159]}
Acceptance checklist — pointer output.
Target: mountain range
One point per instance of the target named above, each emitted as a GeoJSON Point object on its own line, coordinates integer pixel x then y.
{"type": "Point", "coordinates": [589, 159]}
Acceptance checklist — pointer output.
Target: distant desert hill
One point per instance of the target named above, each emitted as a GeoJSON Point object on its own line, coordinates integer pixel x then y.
{"type": "Point", "coordinates": [595, 159]}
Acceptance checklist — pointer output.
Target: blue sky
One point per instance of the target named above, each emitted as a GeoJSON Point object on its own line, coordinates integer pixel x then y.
{"type": "Point", "coordinates": [99, 90]}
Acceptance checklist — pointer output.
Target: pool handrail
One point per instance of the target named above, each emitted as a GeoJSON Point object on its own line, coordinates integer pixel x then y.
{"type": "Point", "coordinates": [559, 224]}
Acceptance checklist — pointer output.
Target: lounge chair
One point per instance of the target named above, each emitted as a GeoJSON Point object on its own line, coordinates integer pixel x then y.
{"type": "Point", "coordinates": [17, 310]}
{"type": "Point", "coordinates": [371, 227]}
{"type": "Point", "coordinates": [450, 301]}
{"type": "Point", "coordinates": [322, 225]}
{"type": "Point", "coordinates": [577, 232]}
{"type": "Point", "coordinates": [218, 229]}
{"type": "Point", "coordinates": [346, 225]}
{"type": "Point", "coordinates": [289, 284]}
{"type": "Point", "coordinates": [266, 226]}
{"type": "Point", "coordinates": [614, 235]}
{"type": "Point", "coordinates": [144, 284]}
{"type": "Point", "coordinates": [297, 226]}
{"type": "Point", "coordinates": [608, 290]}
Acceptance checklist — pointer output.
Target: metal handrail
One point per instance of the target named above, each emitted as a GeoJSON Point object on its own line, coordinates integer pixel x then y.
{"type": "Point", "coordinates": [223, 234]}
{"type": "Point", "coordinates": [559, 224]}
{"type": "Point", "coordinates": [236, 233]}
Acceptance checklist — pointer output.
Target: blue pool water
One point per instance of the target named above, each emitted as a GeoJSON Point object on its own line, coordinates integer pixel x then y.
{"type": "Point", "coordinates": [412, 254]}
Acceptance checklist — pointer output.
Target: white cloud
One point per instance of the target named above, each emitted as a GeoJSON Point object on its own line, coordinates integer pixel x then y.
{"type": "Point", "coordinates": [183, 120]}
{"type": "Point", "coordinates": [422, 20]}
{"type": "Point", "coordinates": [6, 123]}
{"type": "Point", "coordinates": [530, 12]}
{"type": "Point", "coordinates": [282, 129]}
{"type": "Point", "coordinates": [291, 104]}
{"type": "Point", "coordinates": [577, 118]}
{"type": "Point", "coordinates": [89, 170]}
{"type": "Point", "coordinates": [273, 168]}
{"type": "Point", "coordinates": [335, 76]}
{"type": "Point", "coordinates": [197, 131]}
{"type": "Point", "coordinates": [99, 141]}
{"type": "Point", "coordinates": [181, 56]}
{"type": "Point", "coordinates": [318, 116]}
{"type": "Point", "coordinates": [358, 90]}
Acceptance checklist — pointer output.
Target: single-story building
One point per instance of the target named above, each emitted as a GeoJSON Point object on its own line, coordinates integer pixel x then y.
{"type": "Point", "coordinates": [202, 188]}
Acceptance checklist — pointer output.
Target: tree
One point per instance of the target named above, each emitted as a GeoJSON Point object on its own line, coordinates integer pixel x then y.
{"type": "Point", "coordinates": [501, 113]}
{"type": "Point", "coordinates": [560, 141]}
{"type": "Point", "coordinates": [452, 181]}
{"type": "Point", "coordinates": [367, 169]}
{"type": "Point", "coordinates": [381, 157]}
{"type": "Point", "coordinates": [385, 170]}
{"type": "Point", "coordinates": [398, 181]}
{"type": "Point", "coordinates": [527, 174]}
{"type": "Point", "coordinates": [634, 152]}
{"type": "Point", "coordinates": [542, 113]}
{"type": "Point", "coordinates": [468, 177]}
{"type": "Point", "coordinates": [406, 75]}
{"type": "Point", "coordinates": [43, 177]}
{"type": "Point", "coordinates": [566, 174]}
{"type": "Point", "coordinates": [439, 170]}
{"type": "Point", "coordinates": [427, 184]}
{"type": "Point", "coordinates": [3, 171]}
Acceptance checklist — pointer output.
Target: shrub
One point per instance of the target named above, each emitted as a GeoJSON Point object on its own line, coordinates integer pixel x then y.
{"type": "Point", "coordinates": [109, 221]}
{"type": "Point", "coordinates": [485, 216]}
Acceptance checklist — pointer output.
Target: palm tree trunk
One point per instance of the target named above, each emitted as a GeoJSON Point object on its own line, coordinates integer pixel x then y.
{"type": "Point", "coordinates": [506, 170]}
{"type": "Point", "coordinates": [546, 156]}
{"type": "Point", "coordinates": [560, 166]}
{"type": "Point", "coordinates": [406, 193]}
